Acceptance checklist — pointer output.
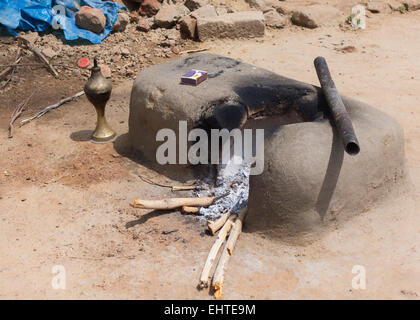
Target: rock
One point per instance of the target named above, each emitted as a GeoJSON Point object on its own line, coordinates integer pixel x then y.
{"type": "Point", "coordinates": [412, 5]}
{"type": "Point", "coordinates": [316, 15]}
{"type": "Point", "coordinates": [121, 23]}
{"type": "Point", "coordinates": [167, 16]}
{"type": "Point", "coordinates": [204, 12]}
{"type": "Point", "coordinates": [195, 4]}
{"type": "Point", "coordinates": [90, 19]}
{"type": "Point", "coordinates": [188, 27]}
{"type": "Point", "coordinates": [259, 4]}
{"type": "Point", "coordinates": [49, 53]}
{"type": "Point", "coordinates": [149, 7]}
{"type": "Point", "coordinates": [116, 58]}
{"type": "Point", "coordinates": [309, 181]}
{"type": "Point", "coordinates": [378, 7]}
{"type": "Point", "coordinates": [245, 24]}
{"type": "Point", "coordinates": [29, 38]}
{"type": "Point", "coordinates": [395, 5]}
{"type": "Point", "coordinates": [125, 52]}
{"type": "Point", "coordinates": [273, 19]}
{"type": "Point", "coordinates": [143, 25]}
{"type": "Point", "coordinates": [106, 71]}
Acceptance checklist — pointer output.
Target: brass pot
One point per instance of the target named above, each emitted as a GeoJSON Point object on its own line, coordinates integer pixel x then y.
{"type": "Point", "coordinates": [98, 91]}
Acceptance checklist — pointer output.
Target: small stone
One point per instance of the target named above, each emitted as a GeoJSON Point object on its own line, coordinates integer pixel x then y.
{"type": "Point", "coordinates": [49, 53]}
{"type": "Point", "coordinates": [129, 73]}
{"type": "Point", "coordinates": [106, 71]}
{"type": "Point", "coordinates": [143, 25]}
{"type": "Point", "coordinates": [76, 73]}
{"type": "Point", "coordinates": [116, 58]}
{"type": "Point", "coordinates": [29, 39]}
{"type": "Point", "coordinates": [204, 12]}
{"type": "Point", "coordinates": [195, 4]}
{"type": "Point", "coordinates": [316, 15]}
{"type": "Point", "coordinates": [167, 16]}
{"type": "Point", "coordinates": [125, 52]}
{"type": "Point", "coordinates": [149, 8]}
{"type": "Point", "coordinates": [175, 50]}
{"type": "Point", "coordinates": [121, 23]}
{"type": "Point", "coordinates": [90, 19]}
{"type": "Point", "coordinates": [188, 27]}
{"type": "Point", "coordinates": [244, 24]}
{"type": "Point", "coordinates": [274, 19]}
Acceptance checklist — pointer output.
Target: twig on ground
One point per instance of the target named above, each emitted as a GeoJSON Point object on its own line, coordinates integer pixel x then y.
{"type": "Point", "coordinates": [11, 68]}
{"type": "Point", "coordinates": [43, 59]}
{"type": "Point", "coordinates": [173, 203]}
{"type": "Point", "coordinates": [51, 107]}
{"type": "Point", "coordinates": [174, 188]}
{"type": "Point", "coordinates": [194, 50]}
{"type": "Point", "coordinates": [216, 225]}
{"type": "Point", "coordinates": [18, 111]}
{"type": "Point", "coordinates": [205, 274]}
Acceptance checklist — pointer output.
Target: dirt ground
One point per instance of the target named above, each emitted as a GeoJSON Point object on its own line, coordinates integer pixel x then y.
{"type": "Point", "coordinates": [65, 201]}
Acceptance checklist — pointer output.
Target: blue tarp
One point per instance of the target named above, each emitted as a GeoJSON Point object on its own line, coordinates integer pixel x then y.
{"type": "Point", "coordinates": [42, 15]}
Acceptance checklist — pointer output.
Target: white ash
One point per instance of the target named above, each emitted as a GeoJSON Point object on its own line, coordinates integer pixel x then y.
{"type": "Point", "coordinates": [233, 180]}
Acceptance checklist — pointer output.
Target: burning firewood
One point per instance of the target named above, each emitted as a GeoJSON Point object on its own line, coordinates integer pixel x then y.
{"type": "Point", "coordinates": [174, 203]}
{"type": "Point", "coordinates": [205, 274]}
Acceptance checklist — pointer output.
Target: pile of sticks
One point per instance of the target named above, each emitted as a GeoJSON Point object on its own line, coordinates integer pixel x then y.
{"type": "Point", "coordinates": [230, 226]}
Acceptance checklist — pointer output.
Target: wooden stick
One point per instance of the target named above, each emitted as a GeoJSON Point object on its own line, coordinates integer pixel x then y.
{"type": "Point", "coordinates": [236, 231]}
{"type": "Point", "coordinates": [174, 188]}
{"type": "Point", "coordinates": [219, 273]}
{"type": "Point", "coordinates": [194, 50]}
{"type": "Point", "coordinates": [18, 111]}
{"type": "Point", "coordinates": [173, 203]}
{"type": "Point", "coordinates": [205, 274]}
{"type": "Point", "coordinates": [216, 225]}
{"type": "Point", "coordinates": [189, 210]}
{"type": "Point", "coordinates": [43, 59]}
{"type": "Point", "coordinates": [182, 188]}
{"type": "Point", "coordinates": [11, 67]}
{"type": "Point", "coordinates": [49, 108]}
{"type": "Point", "coordinates": [217, 283]}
